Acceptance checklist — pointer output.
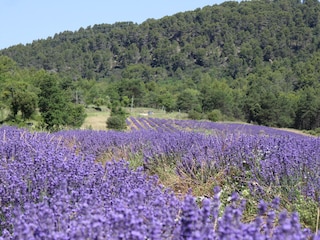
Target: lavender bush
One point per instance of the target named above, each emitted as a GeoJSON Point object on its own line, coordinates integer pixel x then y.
{"type": "Point", "coordinates": [53, 187]}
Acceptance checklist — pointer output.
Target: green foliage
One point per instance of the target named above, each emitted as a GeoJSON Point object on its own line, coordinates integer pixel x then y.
{"type": "Point", "coordinates": [99, 101]}
{"type": "Point", "coordinates": [18, 96]}
{"type": "Point", "coordinates": [133, 88]}
{"type": "Point", "coordinates": [55, 107]}
{"type": "Point", "coordinates": [118, 111]}
{"type": "Point", "coordinates": [95, 92]}
{"type": "Point", "coordinates": [167, 101]}
{"type": "Point", "coordinates": [116, 122]}
{"type": "Point", "coordinates": [75, 115]}
{"type": "Point", "coordinates": [52, 102]}
{"type": "Point", "coordinates": [308, 110]}
{"type": "Point", "coordinates": [27, 104]}
{"type": "Point", "coordinates": [307, 209]}
{"type": "Point", "coordinates": [237, 37]}
{"type": "Point", "coordinates": [215, 115]}
{"type": "Point", "coordinates": [217, 95]}
{"type": "Point", "coordinates": [117, 119]}
{"type": "Point", "coordinates": [189, 100]}
{"type": "Point", "coordinates": [7, 68]}
{"type": "Point", "coordinates": [195, 115]}
{"type": "Point", "coordinates": [315, 132]}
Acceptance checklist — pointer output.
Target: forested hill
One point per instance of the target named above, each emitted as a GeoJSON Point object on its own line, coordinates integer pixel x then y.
{"type": "Point", "coordinates": [255, 60]}
{"type": "Point", "coordinates": [233, 37]}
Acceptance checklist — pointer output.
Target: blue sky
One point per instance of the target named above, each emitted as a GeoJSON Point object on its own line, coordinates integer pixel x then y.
{"type": "Point", "coordinates": [22, 21]}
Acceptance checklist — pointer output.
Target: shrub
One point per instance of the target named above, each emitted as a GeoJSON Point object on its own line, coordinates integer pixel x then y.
{"type": "Point", "coordinates": [116, 122]}
{"type": "Point", "coordinates": [215, 115]}
{"type": "Point", "coordinates": [194, 115]}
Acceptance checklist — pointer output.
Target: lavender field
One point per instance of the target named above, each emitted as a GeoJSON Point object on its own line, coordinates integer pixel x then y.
{"type": "Point", "coordinates": [262, 183]}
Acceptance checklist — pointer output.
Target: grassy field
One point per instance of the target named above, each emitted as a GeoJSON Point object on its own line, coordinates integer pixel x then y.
{"type": "Point", "coordinates": [156, 113]}
{"type": "Point", "coordinates": [96, 120]}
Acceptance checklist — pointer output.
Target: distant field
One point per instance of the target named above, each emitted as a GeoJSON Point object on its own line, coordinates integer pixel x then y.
{"type": "Point", "coordinates": [156, 113]}
{"type": "Point", "coordinates": [96, 120]}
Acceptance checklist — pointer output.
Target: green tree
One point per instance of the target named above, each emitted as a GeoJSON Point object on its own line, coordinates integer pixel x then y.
{"type": "Point", "coordinates": [75, 115]}
{"type": "Point", "coordinates": [215, 115]}
{"type": "Point", "coordinates": [308, 110]}
{"type": "Point", "coordinates": [28, 102]}
{"type": "Point", "coordinates": [267, 104]}
{"type": "Point", "coordinates": [52, 102]}
{"type": "Point", "coordinates": [133, 88]}
{"type": "Point", "coordinates": [167, 101]}
{"type": "Point", "coordinates": [20, 97]}
{"type": "Point", "coordinates": [117, 119]}
{"type": "Point", "coordinates": [287, 103]}
{"type": "Point", "coordinates": [55, 107]}
{"type": "Point", "coordinates": [261, 103]}
{"type": "Point", "coordinates": [189, 99]}
{"type": "Point", "coordinates": [217, 95]}
{"type": "Point", "coordinates": [7, 68]}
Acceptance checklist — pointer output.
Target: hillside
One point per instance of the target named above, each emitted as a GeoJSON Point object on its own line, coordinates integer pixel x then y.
{"type": "Point", "coordinates": [233, 37]}
{"type": "Point", "coordinates": [255, 61]}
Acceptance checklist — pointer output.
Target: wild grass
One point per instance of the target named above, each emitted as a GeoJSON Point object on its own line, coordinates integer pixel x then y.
{"type": "Point", "coordinates": [96, 120]}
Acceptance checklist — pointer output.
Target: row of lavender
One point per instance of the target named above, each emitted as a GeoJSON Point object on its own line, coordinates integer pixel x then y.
{"type": "Point", "coordinates": [270, 157]}
{"type": "Point", "coordinates": [259, 159]}
{"type": "Point", "coordinates": [269, 160]}
{"type": "Point", "coordinates": [52, 188]}
{"type": "Point", "coordinates": [173, 125]}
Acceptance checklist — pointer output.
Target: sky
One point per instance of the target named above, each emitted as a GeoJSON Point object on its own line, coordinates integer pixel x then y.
{"type": "Point", "coordinates": [23, 21]}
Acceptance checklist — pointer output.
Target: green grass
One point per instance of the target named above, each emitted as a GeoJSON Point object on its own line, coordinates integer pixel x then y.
{"type": "Point", "coordinates": [96, 120]}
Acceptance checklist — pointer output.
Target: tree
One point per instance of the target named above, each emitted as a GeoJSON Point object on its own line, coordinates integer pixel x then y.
{"type": "Point", "coordinates": [262, 105]}
{"type": "Point", "coordinates": [308, 112]}
{"type": "Point", "coordinates": [266, 104]}
{"type": "Point", "coordinates": [51, 102]}
{"type": "Point", "coordinates": [167, 101]}
{"type": "Point", "coordinates": [217, 95]}
{"type": "Point", "coordinates": [55, 107]}
{"type": "Point", "coordinates": [215, 115]}
{"type": "Point", "coordinates": [287, 109]}
{"type": "Point", "coordinates": [246, 59]}
{"type": "Point", "coordinates": [19, 97]}
{"type": "Point", "coordinates": [188, 100]}
{"type": "Point", "coordinates": [27, 104]}
{"type": "Point", "coordinates": [75, 115]}
{"type": "Point", "coordinates": [7, 67]}
{"type": "Point", "coordinates": [117, 119]}
{"type": "Point", "coordinates": [133, 88]}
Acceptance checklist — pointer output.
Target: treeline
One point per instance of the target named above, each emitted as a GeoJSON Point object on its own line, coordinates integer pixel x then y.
{"type": "Point", "coordinates": [24, 93]}
{"type": "Point", "coordinates": [255, 61]}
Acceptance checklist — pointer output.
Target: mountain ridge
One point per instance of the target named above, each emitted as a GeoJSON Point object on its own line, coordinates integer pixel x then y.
{"type": "Point", "coordinates": [218, 31]}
